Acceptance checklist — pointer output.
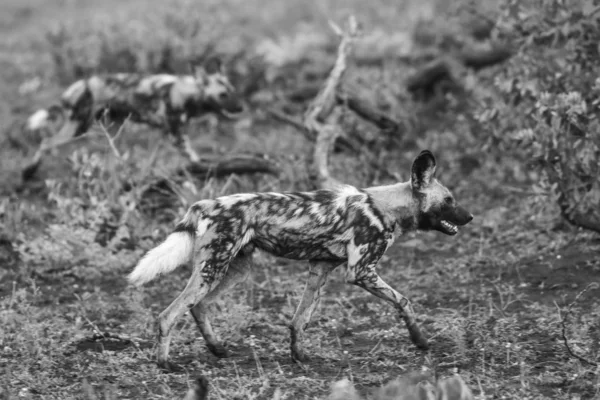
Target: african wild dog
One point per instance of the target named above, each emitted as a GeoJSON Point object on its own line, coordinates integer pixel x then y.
{"type": "Point", "coordinates": [162, 101]}
{"type": "Point", "coordinates": [327, 227]}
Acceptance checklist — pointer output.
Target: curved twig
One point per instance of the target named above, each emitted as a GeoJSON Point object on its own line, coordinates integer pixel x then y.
{"type": "Point", "coordinates": [593, 285]}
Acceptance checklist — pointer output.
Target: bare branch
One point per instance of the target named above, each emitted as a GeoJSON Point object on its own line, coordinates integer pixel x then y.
{"type": "Point", "coordinates": [336, 28]}
{"type": "Point", "coordinates": [478, 58]}
{"type": "Point", "coordinates": [290, 120]}
{"type": "Point", "coordinates": [367, 111]}
{"type": "Point", "coordinates": [160, 191]}
{"type": "Point", "coordinates": [322, 107]}
{"type": "Point", "coordinates": [321, 119]}
{"type": "Point", "coordinates": [325, 140]}
{"type": "Point", "coordinates": [323, 104]}
{"type": "Point", "coordinates": [345, 143]}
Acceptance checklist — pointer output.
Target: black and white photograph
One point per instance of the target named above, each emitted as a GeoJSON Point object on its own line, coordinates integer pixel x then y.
{"type": "Point", "coordinates": [300, 199]}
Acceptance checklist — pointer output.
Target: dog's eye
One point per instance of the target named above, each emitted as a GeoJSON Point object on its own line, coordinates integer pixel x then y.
{"type": "Point", "coordinates": [448, 200]}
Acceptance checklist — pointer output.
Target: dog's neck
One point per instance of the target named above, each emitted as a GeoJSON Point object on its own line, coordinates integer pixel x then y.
{"type": "Point", "coordinates": [397, 204]}
{"type": "Point", "coordinates": [192, 94]}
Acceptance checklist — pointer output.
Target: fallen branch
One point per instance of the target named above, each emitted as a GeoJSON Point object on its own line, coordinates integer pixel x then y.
{"type": "Point", "coordinates": [423, 81]}
{"type": "Point", "coordinates": [348, 97]}
{"type": "Point", "coordinates": [486, 57]}
{"type": "Point", "coordinates": [563, 321]}
{"type": "Point", "coordinates": [160, 192]}
{"type": "Point", "coordinates": [353, 144]}
{"type": "Point", "coordinates": [231, 164]}
{"type": "Point", "coordinates": [343, 142]}
{"type": "Point", "coordinates": [290, 120]}
{"type": "Point", "coordinates": [367, 111]}
{"type": "Point", "coordinates": [304, 93]}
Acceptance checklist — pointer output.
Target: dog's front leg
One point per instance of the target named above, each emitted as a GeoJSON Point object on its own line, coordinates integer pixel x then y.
{"type": "Point", "coordinates": [183, 144]}
{"type": "Point", "coordinates": [317, 277]}
{"type": "Point", "coordinates": [181, 140]}
{"type": "Point", "coordinates": [188, 149]}
{"type": "Point", "coordinates": [373, 283]}
{"type": "Point", "coordinates": [362, 261]}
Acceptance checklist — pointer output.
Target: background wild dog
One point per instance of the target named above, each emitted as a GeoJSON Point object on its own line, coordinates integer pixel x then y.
{"type": "Point", "coordinates": [327, 227]}
{"type": "Point", "coordinates": [162, 101]}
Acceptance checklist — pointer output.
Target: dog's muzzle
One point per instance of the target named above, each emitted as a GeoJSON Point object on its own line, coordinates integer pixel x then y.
{"type": "Point", "coordinates": [454, 218]}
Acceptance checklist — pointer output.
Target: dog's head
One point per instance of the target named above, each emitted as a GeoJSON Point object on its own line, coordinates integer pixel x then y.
{"type": "Point", "coordinates": [437, 208]}
{"type": "Point", "coordinates": [219, 94]}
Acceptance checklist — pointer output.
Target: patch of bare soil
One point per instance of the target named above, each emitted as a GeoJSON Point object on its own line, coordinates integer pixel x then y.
{"type": "Point", "coordinates": [554, 277]}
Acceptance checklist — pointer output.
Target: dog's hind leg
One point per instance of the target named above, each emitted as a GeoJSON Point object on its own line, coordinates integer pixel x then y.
{"type": "Point", "coordinates": [318, 273]}
{"type": "Point", "coordinates": [238, 271]}
{"type": "Point", "coordinates": [203, 279]}
{"type": "Point", "coordinates": [65, 135]}
{"type": "Point", "coordinates": [361, 272]}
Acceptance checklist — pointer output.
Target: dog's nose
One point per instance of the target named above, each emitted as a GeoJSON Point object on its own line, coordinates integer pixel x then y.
{"type": "Point", "coordinates": [470, 218]}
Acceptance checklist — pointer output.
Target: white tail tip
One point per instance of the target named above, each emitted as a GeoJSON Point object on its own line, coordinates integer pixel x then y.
{"type": "Point", "coordinates": [37, 120]}
{"type": "Point", "coordinates": [170, 254]}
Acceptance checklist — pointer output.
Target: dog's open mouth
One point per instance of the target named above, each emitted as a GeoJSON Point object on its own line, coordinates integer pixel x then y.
{"type": "Point", "coordinates": [448, 227]}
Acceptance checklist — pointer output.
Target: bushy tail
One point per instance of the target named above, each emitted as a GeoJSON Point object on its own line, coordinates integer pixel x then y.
{"type": "Point", "coordinates": [174, 251]}
{"type": "Point", "coordinates": [46, 118]}
{"type": "Point", "coordinates": [37, 120]}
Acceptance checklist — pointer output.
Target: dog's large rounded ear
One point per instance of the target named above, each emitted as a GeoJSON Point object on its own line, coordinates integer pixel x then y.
{"type": "Point", "coordinates": [422, 171]}
{"type": "Point", "coordinates": [213, 65]}
{"type": "Point", "coordinates": [198, 70]}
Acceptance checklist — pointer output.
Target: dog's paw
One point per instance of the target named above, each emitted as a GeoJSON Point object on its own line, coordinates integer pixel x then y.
{"type": "Point", "coordinates": [168, 367]}
{"type": "Point", "coordinates": [218, 350]}
{"type": "Point", "coordinates": [418, 338]}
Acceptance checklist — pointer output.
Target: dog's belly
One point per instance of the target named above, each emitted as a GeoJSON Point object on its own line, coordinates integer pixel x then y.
{"type": "Point", "coordinates": [303, 250]}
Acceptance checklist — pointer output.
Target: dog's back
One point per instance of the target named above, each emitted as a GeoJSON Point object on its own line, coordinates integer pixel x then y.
{"type": "Point", "coordinates": [296, 225]}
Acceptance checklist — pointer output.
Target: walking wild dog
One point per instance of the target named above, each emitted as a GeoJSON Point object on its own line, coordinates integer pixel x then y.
{"type": "Point", "coordinates": [326, 227]}
{"type": "Point", "coordinates": [162, 101]}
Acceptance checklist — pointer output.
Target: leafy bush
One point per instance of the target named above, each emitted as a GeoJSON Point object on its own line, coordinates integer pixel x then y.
{"type": "Point", "coordinates": [547, 108]}
{"type": "Point", "coordinates": [95, 219]}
